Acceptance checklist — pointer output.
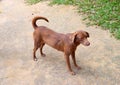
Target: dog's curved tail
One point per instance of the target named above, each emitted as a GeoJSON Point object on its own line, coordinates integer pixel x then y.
{"type": "Point", "coordinates": [37, 18]}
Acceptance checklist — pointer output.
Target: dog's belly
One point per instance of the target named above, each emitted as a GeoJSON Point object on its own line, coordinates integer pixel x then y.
{"type": "Point", "coordinates": [54, 40]}
{"type": "Point", "coordinates": [56, 44]}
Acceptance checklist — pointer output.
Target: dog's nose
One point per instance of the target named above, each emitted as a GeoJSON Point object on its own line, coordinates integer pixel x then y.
{"type": "Point", "coordinates": [87, 43]}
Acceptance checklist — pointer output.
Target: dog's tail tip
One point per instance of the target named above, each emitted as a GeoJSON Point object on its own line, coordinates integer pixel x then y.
{"type": "Point", "coordinates": [47, 20]}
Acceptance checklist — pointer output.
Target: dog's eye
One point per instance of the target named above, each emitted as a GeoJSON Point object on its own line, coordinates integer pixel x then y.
{"type": "Point", "coordinates": [80, 38]}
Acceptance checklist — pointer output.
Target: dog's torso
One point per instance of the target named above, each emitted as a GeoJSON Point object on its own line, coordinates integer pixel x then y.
{"type": "Point", "coordinates": [56, 40]}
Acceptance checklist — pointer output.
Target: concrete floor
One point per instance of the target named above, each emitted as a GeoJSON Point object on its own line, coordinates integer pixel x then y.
{"type": "Point", "coordinates": [100, 62]}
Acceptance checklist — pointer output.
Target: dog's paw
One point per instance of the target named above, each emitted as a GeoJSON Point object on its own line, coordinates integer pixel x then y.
{"type": "Point", "coordinates": [35, 59]}
{"type": "Point", "coordinates": [72, 73]}
{"type": "Point", "coordinates": [78, 67]}
{"type": "Point", "coordinates": [43, 55]}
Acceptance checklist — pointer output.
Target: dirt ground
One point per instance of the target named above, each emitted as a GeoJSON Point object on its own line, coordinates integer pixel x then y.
{"type": "Point", "coordinates": [100, 62]}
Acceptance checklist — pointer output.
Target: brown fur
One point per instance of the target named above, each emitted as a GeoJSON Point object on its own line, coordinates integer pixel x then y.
{"type": "Point", "coordinates": [66, 43]}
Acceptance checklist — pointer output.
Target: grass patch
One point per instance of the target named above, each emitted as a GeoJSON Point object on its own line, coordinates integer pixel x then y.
{"type": "Point", "coordinates": [66, 2]}
{"type": "Point", "coordinates": [32, 1]}
{"type": "Point", "coordinates": [104, 13]}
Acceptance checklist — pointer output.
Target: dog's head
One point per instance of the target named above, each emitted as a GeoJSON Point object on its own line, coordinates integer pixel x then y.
{"type": "Point", "coordinates": [80, 37]}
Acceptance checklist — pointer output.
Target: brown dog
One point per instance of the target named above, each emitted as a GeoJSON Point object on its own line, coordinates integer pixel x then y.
{"type": "Point", "coordinates": [66, 43]}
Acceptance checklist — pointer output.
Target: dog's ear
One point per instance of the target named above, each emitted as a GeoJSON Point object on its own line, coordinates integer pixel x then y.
{"type": "Point", "coordinates": [73, 37]}
{"type": "Point", "coordinates": [87, 34]}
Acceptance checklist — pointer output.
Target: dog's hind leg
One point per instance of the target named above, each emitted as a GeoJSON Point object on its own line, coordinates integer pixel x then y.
{"type": "Point", "coordinates": [36, 46]}
{"type": "Point", "coordinates": [41, 47]}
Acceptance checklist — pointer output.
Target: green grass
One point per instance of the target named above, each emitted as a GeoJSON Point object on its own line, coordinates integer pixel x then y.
{"type": "Point", "coordinates": [32, 1]}
{"type": "Point", "coordinates": [66, 2]}
{"type": "Point", "coordinates": [104, 13]}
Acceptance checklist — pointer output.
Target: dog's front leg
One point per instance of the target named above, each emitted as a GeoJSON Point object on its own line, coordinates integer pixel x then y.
{"type": "Point", "coordinates": [74, 60]}
{"type": "Point", "coordinates": [68, 63]}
